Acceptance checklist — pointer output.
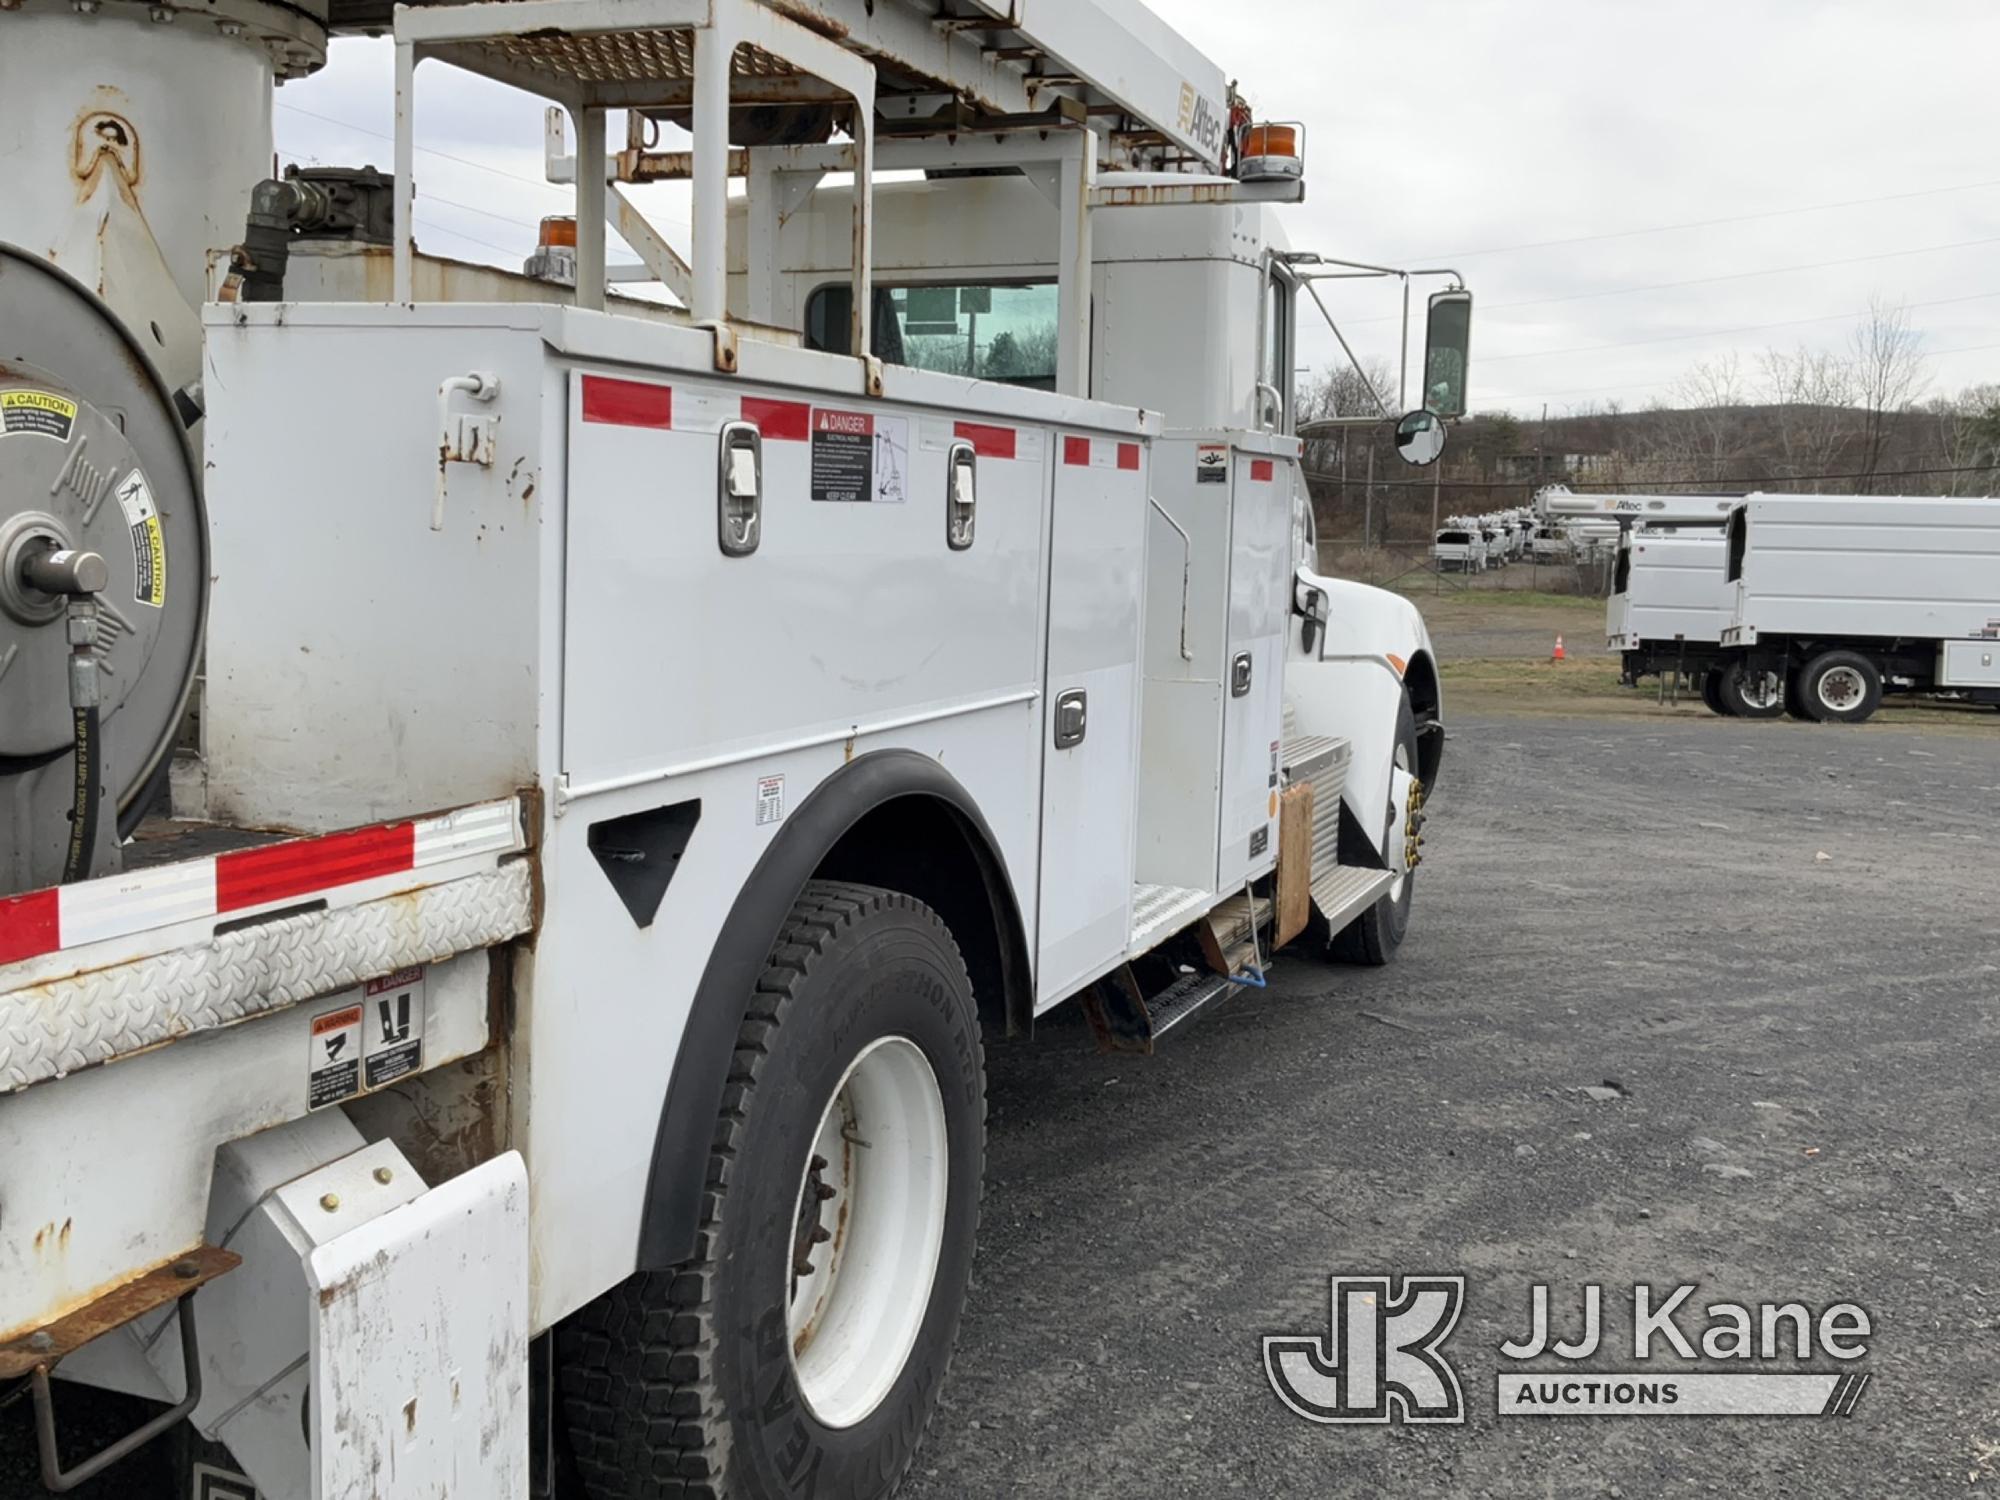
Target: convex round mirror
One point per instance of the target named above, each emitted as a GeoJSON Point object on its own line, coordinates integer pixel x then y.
{"type": "Point", "coordinates": [1420, 438]}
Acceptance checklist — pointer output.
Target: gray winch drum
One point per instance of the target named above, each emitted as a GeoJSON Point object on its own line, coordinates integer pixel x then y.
{"type": "Point", "coordinates": [93, 456]}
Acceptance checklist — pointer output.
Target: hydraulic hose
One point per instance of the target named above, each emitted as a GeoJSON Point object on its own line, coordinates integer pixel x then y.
{"type": "Point", "coordinates": [78, 578]}
{"type": "Point", "coordinates": [88, 797]}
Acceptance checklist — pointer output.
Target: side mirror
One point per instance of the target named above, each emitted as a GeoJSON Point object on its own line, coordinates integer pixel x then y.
{"type": "Point", "coordinates": [1420, 438]}
{"type": "Point", "coordinates": [1447, 352]}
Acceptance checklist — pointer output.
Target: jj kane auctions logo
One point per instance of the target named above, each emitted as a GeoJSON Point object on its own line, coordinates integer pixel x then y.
{"type": "Point", "coordinates": [1382, 1358]}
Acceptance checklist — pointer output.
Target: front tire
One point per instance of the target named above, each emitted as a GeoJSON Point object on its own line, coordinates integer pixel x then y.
{"type": "Point", "coordinates": [1372, 938]}
{"type": "Point", "coordinates": [804, 1349]}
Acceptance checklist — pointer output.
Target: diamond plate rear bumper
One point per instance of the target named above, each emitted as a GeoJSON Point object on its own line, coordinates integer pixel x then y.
{"type": "Point", "coordinates": [57, 1027]}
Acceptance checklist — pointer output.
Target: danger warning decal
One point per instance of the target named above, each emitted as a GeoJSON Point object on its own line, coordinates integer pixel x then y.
{"type": "Point", "coordinates": [333, 1063]}
{"type": "Point", "coordinates": [149, 543]}
{"type": "Point", "coordinates": [858, 457]}
{"type": "Point", "coordinates": [393, 1026]}
{"type": "Point", "coordinates": [41, 412]}
{"type": "Point", "coordinates": [1211, 463]}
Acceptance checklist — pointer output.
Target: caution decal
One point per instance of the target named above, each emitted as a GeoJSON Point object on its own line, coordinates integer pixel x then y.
{"type": "Point", "coordinates": [149, 543]}
{"type": "Point", "coordinates": [41, 412]}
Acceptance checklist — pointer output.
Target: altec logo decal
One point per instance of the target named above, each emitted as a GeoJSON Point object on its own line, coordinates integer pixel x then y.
{"type": "Point", "coordinates": [1382, 1359]}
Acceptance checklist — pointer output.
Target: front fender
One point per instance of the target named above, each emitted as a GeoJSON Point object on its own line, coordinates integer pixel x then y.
{"type": "Point", "coordinates": [1375, 648]}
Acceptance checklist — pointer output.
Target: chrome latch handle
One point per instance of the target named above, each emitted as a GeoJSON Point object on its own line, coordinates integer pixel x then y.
{"type": "Point", "coordinates": [739, 510]}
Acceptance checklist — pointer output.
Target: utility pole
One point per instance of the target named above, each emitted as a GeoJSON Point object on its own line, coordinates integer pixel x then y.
{"type": "Point", "coordinates": [1368, 505]}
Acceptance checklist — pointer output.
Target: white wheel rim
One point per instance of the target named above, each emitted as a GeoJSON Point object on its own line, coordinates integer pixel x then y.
{"type": "Point", "coordinates": [1841, 689]}
{"type": "Point", "coordinates": [854, 1316]}
{"type": "Point", "coordinates": [1760, 689]}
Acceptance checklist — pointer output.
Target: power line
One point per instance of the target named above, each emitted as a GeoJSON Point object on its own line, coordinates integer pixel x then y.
{"type": "Point", "coordinates": [1647, 385]}
{"type": "Point", "coordinates": [1774, 213]}
{"type": "Point", "coordinates": [1704, 333]}
{"type": "Point", "coordinates": [1728, 479]}
{"type": "Point", "coordinates": [463, 161]}
{"type": "Point", "coordinates": [431, 197]}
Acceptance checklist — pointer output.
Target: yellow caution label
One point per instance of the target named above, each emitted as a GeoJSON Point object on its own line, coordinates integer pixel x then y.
{"type": "Point", "coordinates": [149, 542]}
{"type": "Point", "coordinates": [40, 412]}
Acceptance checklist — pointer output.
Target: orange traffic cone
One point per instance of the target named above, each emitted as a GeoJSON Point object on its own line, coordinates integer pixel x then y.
{"type": "Point", "coordinates": [1559, 654]}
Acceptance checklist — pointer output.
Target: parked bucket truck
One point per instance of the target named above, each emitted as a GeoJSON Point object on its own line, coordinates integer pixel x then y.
{"type": "Point", "coordinates": [631, 758]}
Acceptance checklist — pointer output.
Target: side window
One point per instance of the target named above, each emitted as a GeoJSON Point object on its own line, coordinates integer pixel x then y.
{"type": "Point", "coordinates": [1000, 333]}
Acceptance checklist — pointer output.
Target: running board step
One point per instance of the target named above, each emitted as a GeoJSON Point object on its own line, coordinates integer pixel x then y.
{"type": "Point", "coordinates": [1125, 1021]}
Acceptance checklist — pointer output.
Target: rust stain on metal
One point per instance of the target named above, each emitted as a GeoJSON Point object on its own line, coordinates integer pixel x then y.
{"type": "Point", "coordinates": [812, 19]}
{"type": "Point", "coordinates": [103, 138]}
{"type": "Point", "coordinates": [98, 1313]}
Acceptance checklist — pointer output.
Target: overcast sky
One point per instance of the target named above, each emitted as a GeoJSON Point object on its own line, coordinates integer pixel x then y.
{"type": "Point", "coordinates": [1628, 186]}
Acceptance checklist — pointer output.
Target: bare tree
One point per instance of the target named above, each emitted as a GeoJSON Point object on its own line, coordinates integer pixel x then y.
{"type": "Point", "coordinates": [1703, 430]}
{"type": "Point", "coordinates": [1890, 372]}
{"type": "Point", "coordinates": [1343, 391]}
{"type": "Point", "coordinates": [1965, 432]}
{"type": "Point", "coordinates": [1814, 391]}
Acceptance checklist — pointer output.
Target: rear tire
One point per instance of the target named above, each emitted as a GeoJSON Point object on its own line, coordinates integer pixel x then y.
{"type": "Point", "coordinates": [1711, 693]}
{"type": "Point", "coordinates": [1840, 687]}
{"type": "Point", "coordinates": [1751, 695]}
{"type": "Point", "coordinates": [1372, 938]}
{"type": "Point", "coordinates": [789, 1358]}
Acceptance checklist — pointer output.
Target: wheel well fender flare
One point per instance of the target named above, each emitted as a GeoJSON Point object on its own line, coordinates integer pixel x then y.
{"type": "Point", "coordinates": [827, 835]}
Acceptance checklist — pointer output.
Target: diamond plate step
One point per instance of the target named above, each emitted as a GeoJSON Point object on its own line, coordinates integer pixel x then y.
{"type": "Point", "coordinates": [1183, 1000]}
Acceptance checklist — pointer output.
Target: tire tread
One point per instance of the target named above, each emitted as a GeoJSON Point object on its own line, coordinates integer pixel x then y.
{"type": "Point", "coordinates": [637, 1377]}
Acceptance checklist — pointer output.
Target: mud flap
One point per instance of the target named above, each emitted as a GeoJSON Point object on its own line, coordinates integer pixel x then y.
{"type": "Point", "coordinates": [420, 1345]}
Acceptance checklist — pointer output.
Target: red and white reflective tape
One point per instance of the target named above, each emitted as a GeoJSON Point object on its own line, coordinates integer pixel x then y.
{"type": "Point", "coordinates": [617, 402]}
{"type": "Point", "coordinates": [243, 880]}
{"type": "Point", "coordinates": [1099, 453]}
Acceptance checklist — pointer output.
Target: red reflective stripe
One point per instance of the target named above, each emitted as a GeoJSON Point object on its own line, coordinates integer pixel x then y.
{"type": "Point", "coordinates": [29, 925]}
{"type": "Point", "coordinates": [1076, 451]}
{"type": "Point", "coordinates": [779, 421]}
{"type": "Point", "coordinates": [987, 442]}
{"type": "Point", "coordinates": [1128, 455]}
{"type": "Point", "coordinates": [627, 403]}
{"type": "Point", "coordinates": [1262, 469]}
{"type": "Point", "coordinates": [251, 877]}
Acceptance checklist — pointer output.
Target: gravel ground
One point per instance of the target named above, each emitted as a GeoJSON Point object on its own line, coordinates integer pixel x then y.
{"type": "Point", "coordinates": [1644, 902]}
{"type": "Point", "coordinates": [1147, 1220]}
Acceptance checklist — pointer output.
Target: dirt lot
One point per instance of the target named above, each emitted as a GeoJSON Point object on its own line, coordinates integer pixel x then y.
{"type": "Point", "coordinates": [1776, 940]}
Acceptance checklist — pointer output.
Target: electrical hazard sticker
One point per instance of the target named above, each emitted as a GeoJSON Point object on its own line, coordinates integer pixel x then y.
{"type": "Point", "coordinates": [1211, 463]}
{"type": "Point", "coordinates": [41, 412]}
{"type": "Point", "coordinates": [149, 543]}
{"type": "Point", "coordinates": [860, 458]}
{"type": "Point", "coordinates": [770, 800]}
{"type": "Point", "coordinates": [393, 1027]}
{"type": "Point", "coordinates": [333, 1064]}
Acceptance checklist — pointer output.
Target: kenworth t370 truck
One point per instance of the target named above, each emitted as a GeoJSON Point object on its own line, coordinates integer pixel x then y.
{"type": "Point", "coordinates": [642, 752]}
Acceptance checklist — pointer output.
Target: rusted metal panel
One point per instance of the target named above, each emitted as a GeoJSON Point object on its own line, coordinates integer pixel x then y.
{"type": "Point", "coordinates": [167, 1282]}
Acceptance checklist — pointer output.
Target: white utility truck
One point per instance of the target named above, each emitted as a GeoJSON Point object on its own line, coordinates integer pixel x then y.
{"type": "Point", "coordinates": [1669, 598]}
{"type": "Point", "coordinates": [641, 751]}
{"type": "Point", "coordinates": [1847, 597]}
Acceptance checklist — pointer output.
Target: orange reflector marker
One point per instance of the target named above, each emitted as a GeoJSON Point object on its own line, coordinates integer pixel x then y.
{"type": "Point", "coordinates": [1398, 663]}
